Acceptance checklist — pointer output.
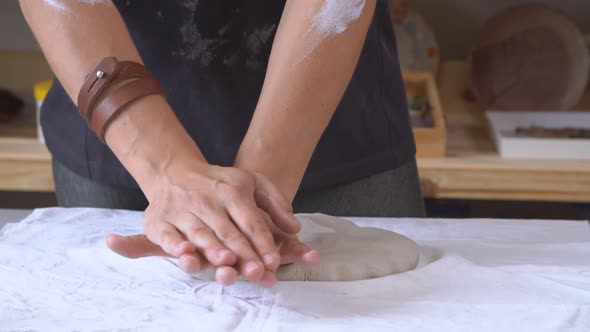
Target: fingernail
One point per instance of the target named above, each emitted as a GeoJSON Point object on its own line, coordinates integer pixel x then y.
{"type": "Point", "coordinates": [223, 252]}
{"type": "Point", "coordinates": [252, 267]}
{"type": "Point", "coordinates": [269, 259]}
{"type": "Point", "coordinates": [226, 276]}
{"type": "Point", "coordinates": [311, 257]}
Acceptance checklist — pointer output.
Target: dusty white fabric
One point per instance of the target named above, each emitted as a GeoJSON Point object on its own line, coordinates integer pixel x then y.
{"type": "Point", "coordinates": [348, 252]}
{"type": "Point", "coordinates": [475, 275]}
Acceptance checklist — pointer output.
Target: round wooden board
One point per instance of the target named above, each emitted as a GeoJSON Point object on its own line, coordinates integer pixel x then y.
{"type": "Point", "coordinates": [529, 58]}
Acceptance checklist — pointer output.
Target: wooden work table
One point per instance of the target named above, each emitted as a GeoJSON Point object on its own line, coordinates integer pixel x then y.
{"type": "Point", "coordinates": [471, 170]}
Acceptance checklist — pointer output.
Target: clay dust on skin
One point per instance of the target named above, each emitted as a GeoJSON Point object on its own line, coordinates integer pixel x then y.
{"type": "Point", "coordinates": [332, 19]}
{"type": "Point", "coordinates": [63, 5]}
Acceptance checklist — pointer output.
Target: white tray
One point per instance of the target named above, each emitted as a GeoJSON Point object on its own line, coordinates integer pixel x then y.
{"type": "Point", "coordinates": [503, 125]}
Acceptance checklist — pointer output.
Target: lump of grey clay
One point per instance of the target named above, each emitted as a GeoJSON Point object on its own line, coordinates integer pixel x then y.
{"type": "Point", "coordinates": [347, 252]}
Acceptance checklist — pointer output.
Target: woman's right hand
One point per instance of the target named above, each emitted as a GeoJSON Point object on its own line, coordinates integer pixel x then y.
{"type": "Point", "coordinates": [206, 214]}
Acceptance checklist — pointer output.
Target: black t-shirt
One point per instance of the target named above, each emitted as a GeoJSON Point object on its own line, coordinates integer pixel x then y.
{"type": "Point", "coordinates": [211, 57]}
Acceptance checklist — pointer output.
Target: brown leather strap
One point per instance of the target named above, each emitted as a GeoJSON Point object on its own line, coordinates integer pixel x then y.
{"type": "Point", "coordinates": [112, 105]}
{"type": "Point", "coordinates": [127, 71]}
{"type": "Point", "coordinates": [99, 105]}
{"type": "Point", "coordinates": [109, 71]}
{"type": "Point", "coordinates": [95, 83]}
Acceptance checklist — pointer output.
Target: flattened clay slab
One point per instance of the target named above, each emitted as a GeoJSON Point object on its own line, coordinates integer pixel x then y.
{"type": "Point", "coordinates": [348, 252]}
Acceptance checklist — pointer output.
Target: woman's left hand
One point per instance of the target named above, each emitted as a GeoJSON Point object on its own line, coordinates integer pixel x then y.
{"type": "Point", "coordinates": [290, 248]}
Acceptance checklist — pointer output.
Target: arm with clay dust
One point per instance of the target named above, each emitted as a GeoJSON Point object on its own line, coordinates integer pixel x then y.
{"type": "Point", "coordinates": [75, 36]}
{"type": "Point", "coordinates": [201, 213]}
{"type": "Point", "coordinates": [311, 64]}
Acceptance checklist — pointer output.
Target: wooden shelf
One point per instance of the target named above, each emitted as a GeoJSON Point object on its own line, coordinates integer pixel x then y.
{"type": "Point", "coordinates": [25, 165]}
{"type": "Point", "coordinates": [471, 170]}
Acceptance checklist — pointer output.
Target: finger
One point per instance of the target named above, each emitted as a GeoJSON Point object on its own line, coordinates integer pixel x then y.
{"type": "Point", "coordinates": [192, 263]}
{"type": "Point", "coordinates": [167, 237]}
{"type": "Point", "coordinates": [270, 199]}
{"type": "Point", "coordinates": [135, 246]}
{"type": "Point", "coordinates": [294, 251]}
{"type": "Point", "coordinates": [278, 235]}
{"type": "Point", "coordinates": [249, 264]}
{"type": "Point", "coordinates": [252, 224]}
{"type": "Point", "coordinates": [138, 246]}
{"type": "Point", "coordinates": [205, 241]}
{"type": "Point", "coordinates": [268, 280]}
{"type": "Point", "coordinates": [226, 275]}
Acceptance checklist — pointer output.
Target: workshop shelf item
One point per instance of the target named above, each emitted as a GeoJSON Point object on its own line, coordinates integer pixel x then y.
{"type": "Point", "coordinates": [546, 135]}
{"type": "Point", "coordinates": [41, 89]}
{"type": "Point", "coordinates": [430, 141]}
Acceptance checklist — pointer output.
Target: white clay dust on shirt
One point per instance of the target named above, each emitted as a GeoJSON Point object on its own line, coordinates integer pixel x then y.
{"type": "Point", "coordinates": [64, 5]}
{"type": "Point", "coordinates": [332, 19]}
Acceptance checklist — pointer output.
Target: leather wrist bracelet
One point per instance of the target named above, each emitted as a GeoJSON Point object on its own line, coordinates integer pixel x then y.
{"type": "Point", "coordinates": [113, 104]}
{"type": "Point", "coordinates": [99, 109]}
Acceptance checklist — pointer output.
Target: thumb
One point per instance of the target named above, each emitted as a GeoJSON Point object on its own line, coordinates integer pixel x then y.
{"type": "Point", "coordinates": [294, 251]}
{"type": "Point", "coordinates": [136, 246]}
{"type": "Point", "coordinates": [271, 200]}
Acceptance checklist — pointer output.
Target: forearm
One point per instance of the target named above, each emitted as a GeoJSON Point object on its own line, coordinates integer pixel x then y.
{"type": "Point", "coordinates": [147, 136]}
{"type": "Point", "coordinates": [150, 142]}
{"type": "Point", "coordinates": [305, 81]}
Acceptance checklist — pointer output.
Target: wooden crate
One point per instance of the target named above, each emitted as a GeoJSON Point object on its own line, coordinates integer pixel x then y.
{"type": "Point", "coordinates": [430, 142]}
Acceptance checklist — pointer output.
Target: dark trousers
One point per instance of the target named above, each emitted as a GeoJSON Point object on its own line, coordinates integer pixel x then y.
{"type": "Point", "coordinates": [395, 193]}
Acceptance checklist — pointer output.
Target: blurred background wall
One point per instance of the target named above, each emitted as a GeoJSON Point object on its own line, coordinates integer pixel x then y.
{"type": "Point", "coordinates": [468, 16]}
{"type": "Point", "coordinates": [455, 22]}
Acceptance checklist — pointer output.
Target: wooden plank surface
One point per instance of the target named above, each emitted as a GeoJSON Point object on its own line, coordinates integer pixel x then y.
{"type": "Point", "coordinates": [25, 165]}
{"type": "Point", "coordinates": [25, 175]}
{"type": "Point", "coordinates": [23, 149]}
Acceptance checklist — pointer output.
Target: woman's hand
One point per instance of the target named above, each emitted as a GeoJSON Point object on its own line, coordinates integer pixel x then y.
{"type": "Point", "coordinates": [219, 216]}
{"type": "Point", "coordinates": [290, 248]}
{"type": "Point", "coordinates": [214, 209]}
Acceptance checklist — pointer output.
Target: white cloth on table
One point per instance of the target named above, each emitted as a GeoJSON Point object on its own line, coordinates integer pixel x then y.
{"type": "Point", "coordinates": [56, 274]}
